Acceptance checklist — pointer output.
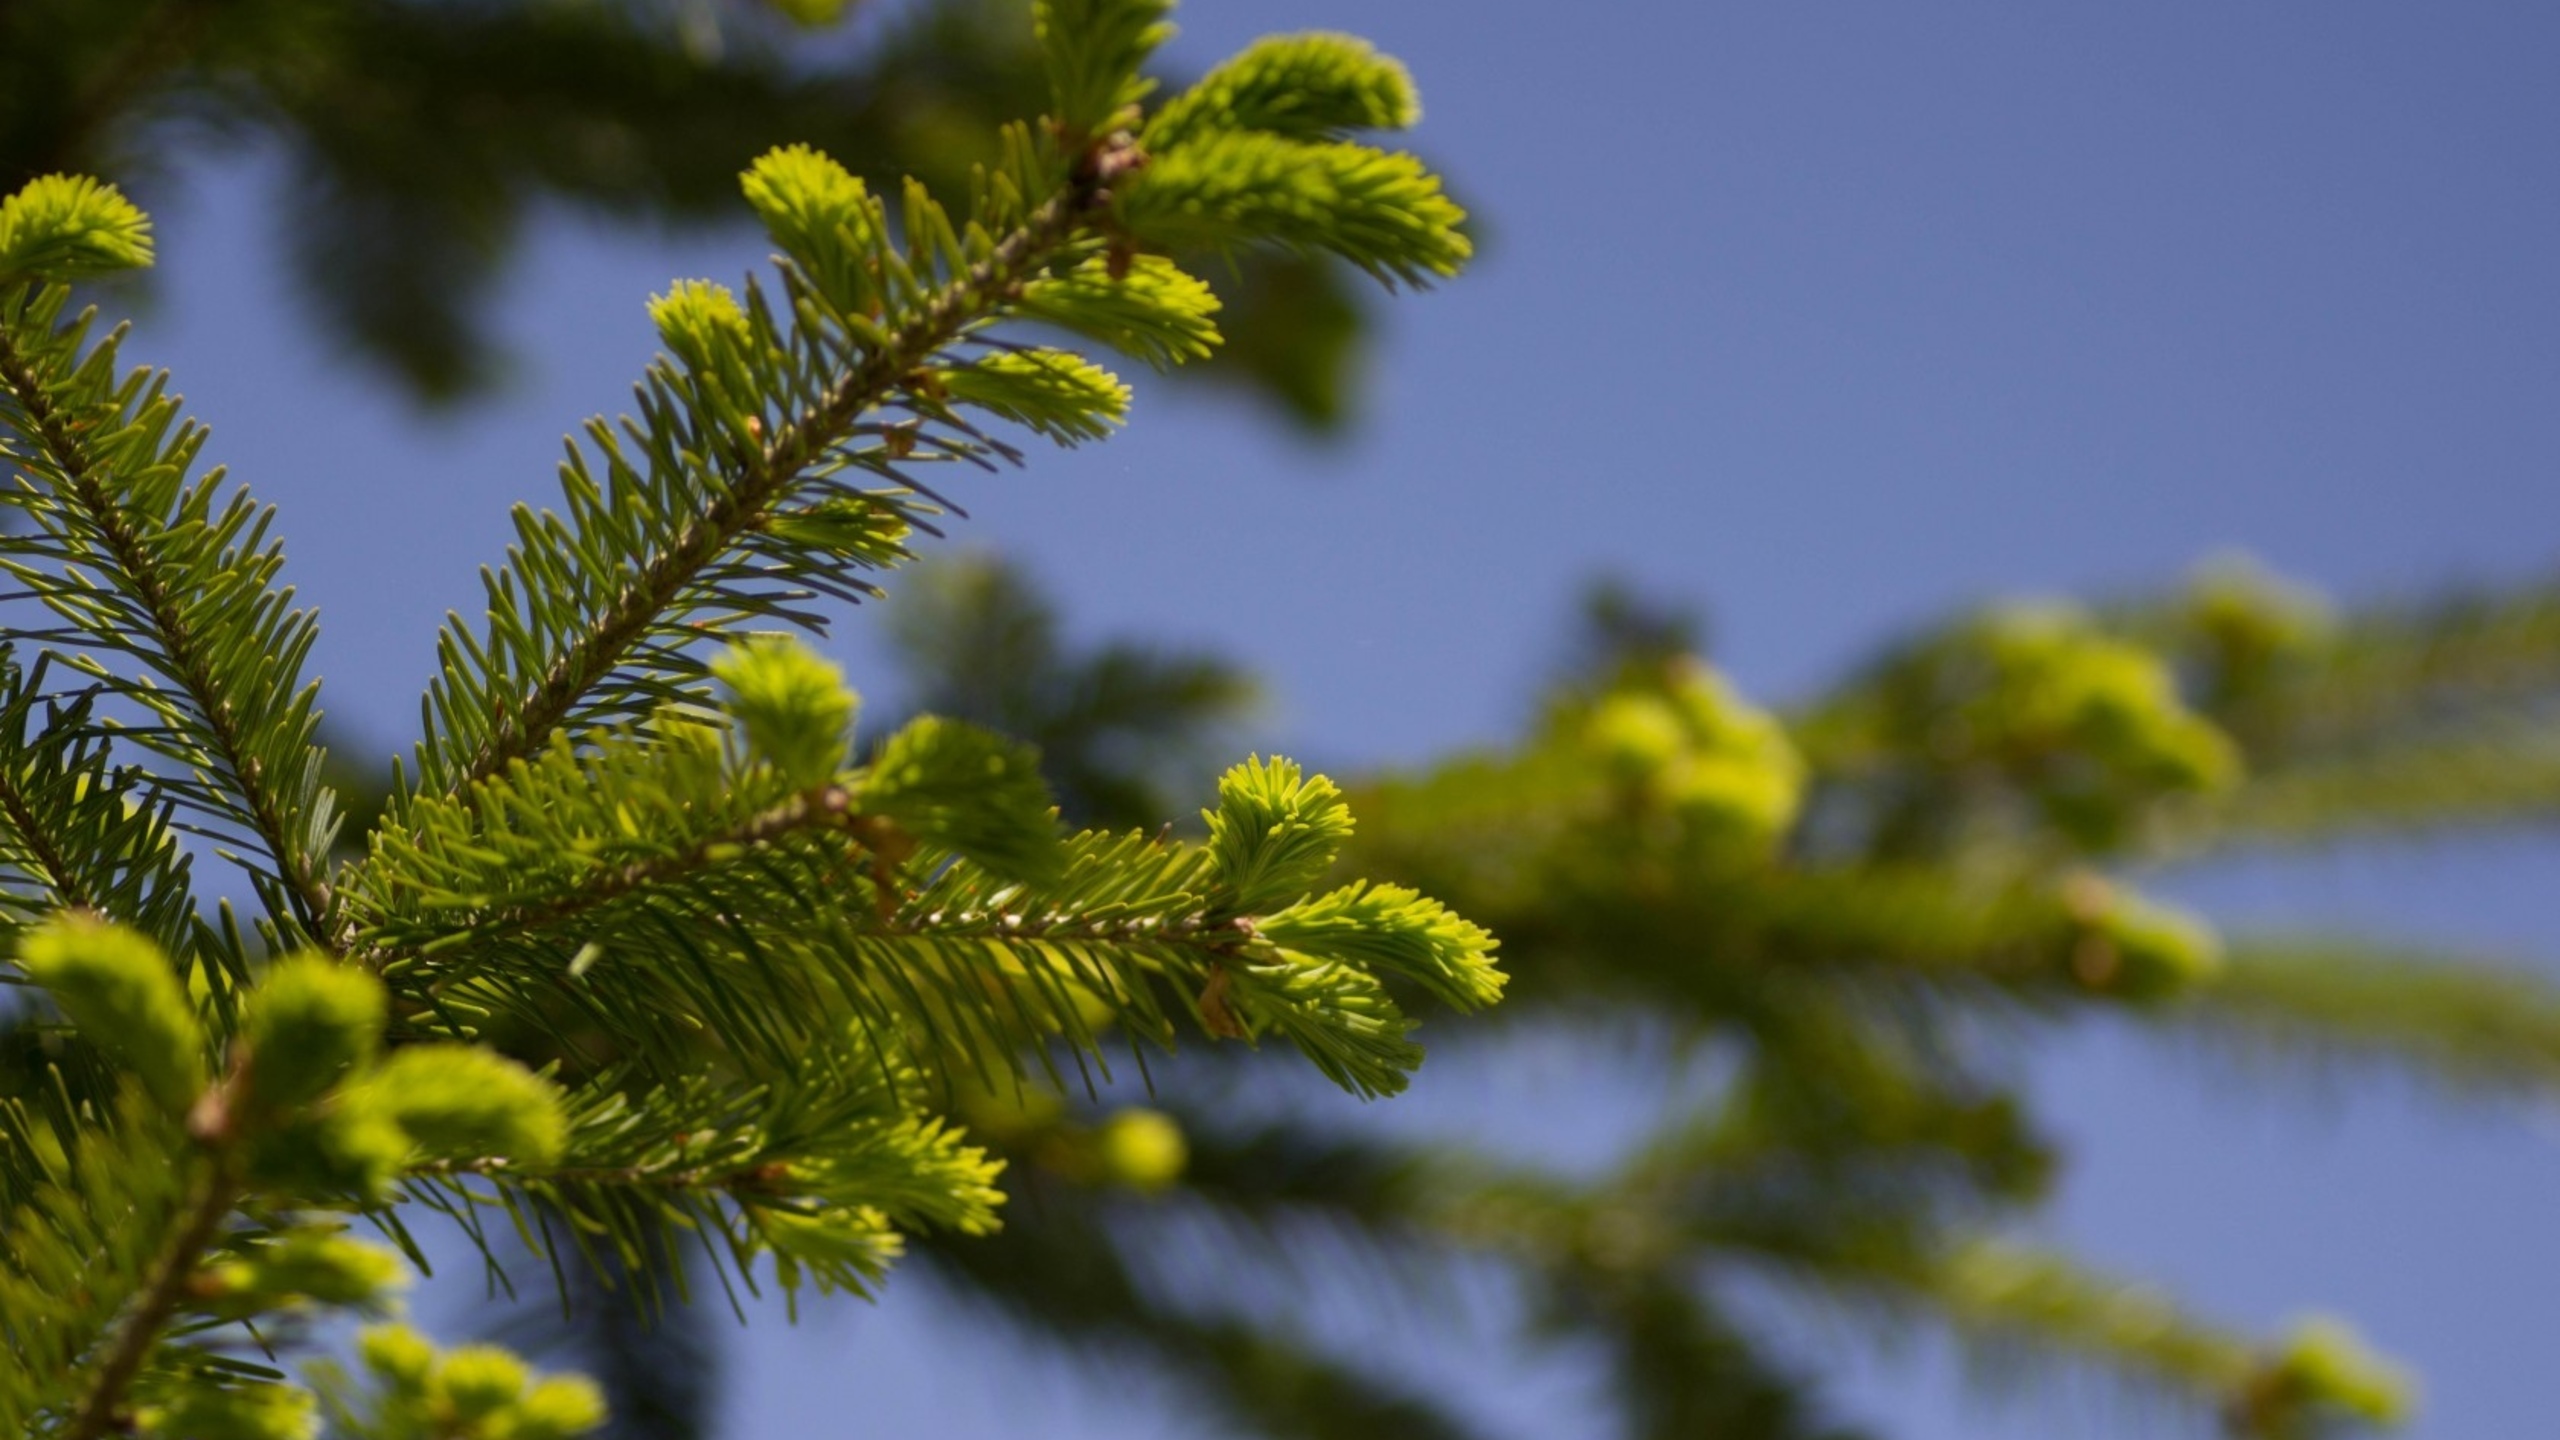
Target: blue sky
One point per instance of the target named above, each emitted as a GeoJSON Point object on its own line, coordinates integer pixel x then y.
{"type": "Point", "coordinates": [1827, 317]}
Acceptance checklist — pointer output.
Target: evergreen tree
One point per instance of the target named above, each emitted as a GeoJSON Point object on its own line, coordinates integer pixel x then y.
{"type": "Point", "coordinates": [630, 867]}
{"type": "Point", "coordinates": [639, 948]}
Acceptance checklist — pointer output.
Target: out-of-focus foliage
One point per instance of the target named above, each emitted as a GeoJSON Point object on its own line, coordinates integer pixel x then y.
{"type": "Point", "coordinates": [419, 140]}
{"type": "Point", "coordinates": [1824, 934]}
{"type": "Point", "coordinates": [641, 945]}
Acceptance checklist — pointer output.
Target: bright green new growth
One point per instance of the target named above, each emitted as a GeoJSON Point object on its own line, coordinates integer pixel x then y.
{"type": "Point", "coordinates": [1311, 87]}
{"type": "Point", "coordinates": [972, 792]}
{"type": "Point", "coordinates": [702, 324]}
{"type": "Point", "coordinates": [2138, 948]}
{"type": "Point", "coordinates": [62, 227]}
{"type": "Point", "coordinates": [1093, 51]}
{"type": "Point", "coordinates": [1051, 393]}
{"type": "Point", "coordinates": [1153, 309]}
{"type": "Point", "coordinates": [1141, 1149]}
{"type": "Point", "coordinates": [476, 1392]}
{"type": "Point", "coordinates": [1683, 745]}
{"type": "Point", "coordinates": [461, 1103]}
{"type": "Point", "coordinates": [118, 989]}
{"type": "Point", "coordinates": [643, 948]}
{"type": "Point", "coordinates": [1275, 831]}
{"type": "Point", "coordinates": [310, 1023]}
{"type": "Point", "coordinates": [821, 215]}
{"type": "Point", "coordinates": [1395, 931]}
{"type": "Point", "coordinates": [1946, 857]}
{"type": "Point", "coordinates": [793, 706]}
{"type": "Point", "coordinates": [314, 1266]}
{"type": "Point", "coordinates": [1380, 210]}
{"type": "Point", "coordinates": [2326, 1375]}
{"type": "Point", "coordinates": [2057, 682]}
{"type": "Point", "coordinates": [253, 1412]}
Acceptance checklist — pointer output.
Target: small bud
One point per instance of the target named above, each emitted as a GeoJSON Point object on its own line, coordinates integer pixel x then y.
{"type": "Point", "coordinates": [1141, 1149]}
{"type": "Point", "coordinates": [1681, 740]}
{"type": "Point", "coordinates": [2138, 948]}
{"type": "Point", "coordinates": [2336, 1367]}
{"type": "Point", "coordinates": [1634, 734]}
{"type": "Point", "coordinates": [2251, 616]}
{"type": "Point", "coordinates": [2323, 1379]}
{"type": "Point", "coordinates": [824, 217]}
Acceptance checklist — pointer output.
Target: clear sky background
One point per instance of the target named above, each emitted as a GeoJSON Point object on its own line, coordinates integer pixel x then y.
{"type": "Point", "coordinates": [1827, 317]}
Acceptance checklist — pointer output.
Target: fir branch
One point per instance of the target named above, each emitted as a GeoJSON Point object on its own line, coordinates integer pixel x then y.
{"type": "Point", "coordinates": [769, 475]}
{"type": "Point", "coordinates": [2390, 669]}
{"type": "Point", "coordinates": [84, 1237]}
{"type": "Point", "coordinates": [796, 948]}
{"type": "Point", "coordinates": [1069, 1276]}
{"type": "Point", "coordinates": [2011, 1303]}
{"type": "Point", "coordinates": [824, 808]}
{"type": "Point", "coordinates": [724, 1178]}
{"type": "Point", "coordinates": [935, 906]}
{"type": "Point", "coordinates": [180, 648]}
{"type": "Point", "coordinates": [50, 865]}
{"type": "Point", "coordinates": [2504, 769]}
{"type": "Point", "coordinates": [80, 834]}
{"type": "Point", "coordinates": [813, 1166]}
{"type": "Point", "coordinates": [2471, 1026]}
{"type": "Point", "coordinates": [199, 1226]}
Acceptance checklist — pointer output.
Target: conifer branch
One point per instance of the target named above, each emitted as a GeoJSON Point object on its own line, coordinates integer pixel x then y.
{"type": "Point", "coordinates": [768, 476]}
{"type": "Point", "coordinates": [159, 1301]}
{"type": "Point", "coordinates": [823, 808]}
{"type": "Point", "coordinates": [758, 1178]}
{"type": "Point", "coordinates": [802, 945]}
{"type": "Point", "coordinates": [51, 868]}
{"type": "Point", "coordinates": [1197, 929]}
{"type": "Point", "coordinates": [700, 1177]}
{"type": "Point", "coordinates": [154, 590]}
{"type": "Point", "coordinates": [2457, 1021]}
{"type": "Point", "coordinates": [80, 833]}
